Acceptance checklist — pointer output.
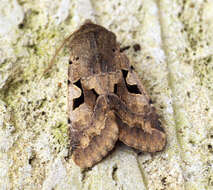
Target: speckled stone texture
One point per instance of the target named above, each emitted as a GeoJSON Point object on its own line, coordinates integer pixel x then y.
{"type": "Point", "coordinates": [175, 64]}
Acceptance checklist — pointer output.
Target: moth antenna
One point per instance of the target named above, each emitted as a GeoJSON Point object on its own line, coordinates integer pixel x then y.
{"type": "Point", "coordinates": [56, 53]}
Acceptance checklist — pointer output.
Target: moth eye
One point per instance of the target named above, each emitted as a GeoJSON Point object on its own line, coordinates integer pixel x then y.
{"type": "Point", "coordinates": [131, 88]}
{"type": "Point", "coordinates": [78, 101]}
{"type": "Point", "coordinates": [70, 62]}
{"type": "Point", "coordinates": [113, 49]}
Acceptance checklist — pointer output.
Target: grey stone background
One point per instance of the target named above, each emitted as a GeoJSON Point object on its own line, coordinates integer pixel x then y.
{"type": "Point", "coordinates": [175, 64]}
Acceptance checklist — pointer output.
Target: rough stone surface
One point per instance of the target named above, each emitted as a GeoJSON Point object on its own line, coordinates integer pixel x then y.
{"type": "Point", "coordinates": [175, 64]}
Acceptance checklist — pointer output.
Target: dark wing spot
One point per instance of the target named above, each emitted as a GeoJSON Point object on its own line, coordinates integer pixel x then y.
{"type": "Point", "coordinates": [131, 88]}
{"type": "Point", "coordinates": [95, 93]}
{"type": "Point", "coordinates": [115, 88]}
{"type": "Point", "coordinates": [78, 101]}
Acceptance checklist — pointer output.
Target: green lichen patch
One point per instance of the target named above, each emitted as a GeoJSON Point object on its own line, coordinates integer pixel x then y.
{"type": "Point", "coordinates": [204, 70]}
{"type": "Point", "coordinates": [192, 16]}
{"type": "Point", "coordinates": [60, 136]}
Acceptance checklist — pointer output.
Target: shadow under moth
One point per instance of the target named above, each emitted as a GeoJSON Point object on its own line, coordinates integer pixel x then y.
{"type": "Point", "coordinates": [106, 100]}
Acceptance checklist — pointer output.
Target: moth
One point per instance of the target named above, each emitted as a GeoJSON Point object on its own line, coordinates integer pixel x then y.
{"type": "Point", "coordinates": [106, 100]}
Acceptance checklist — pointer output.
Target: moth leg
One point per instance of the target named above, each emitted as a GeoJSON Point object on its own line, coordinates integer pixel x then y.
{"type": "Point", "coordinates": [103, 133]}
{"type": "Point", "coordinates": [139, 139]}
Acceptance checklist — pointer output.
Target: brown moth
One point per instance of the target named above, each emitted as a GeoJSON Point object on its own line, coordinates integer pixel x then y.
{"type": "Point", "coordinates": [106, 99]}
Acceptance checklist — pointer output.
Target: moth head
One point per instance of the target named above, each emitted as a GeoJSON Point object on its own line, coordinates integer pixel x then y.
{"type": "Point", "coordinates": [92, 47]}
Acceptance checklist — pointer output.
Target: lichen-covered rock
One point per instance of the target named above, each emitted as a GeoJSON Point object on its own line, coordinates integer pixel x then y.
{"type": "Point", "coordinates": [175, 64]}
